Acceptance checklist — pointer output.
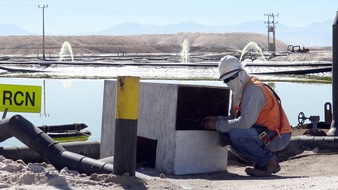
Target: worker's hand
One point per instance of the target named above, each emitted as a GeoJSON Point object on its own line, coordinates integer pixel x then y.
{"type": "Point", "coordinates": [210, 123]}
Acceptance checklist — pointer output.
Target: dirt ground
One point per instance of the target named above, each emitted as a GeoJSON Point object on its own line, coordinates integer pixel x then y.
{"type": "Point", "coordinates": [306, 171]}
{"type": "Point", "coordinates": [309, 170]}
{"type": "Point", "coordinates": [159, 43]}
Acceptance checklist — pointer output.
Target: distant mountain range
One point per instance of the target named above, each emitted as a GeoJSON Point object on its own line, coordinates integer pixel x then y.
{"type": "Point", "coordinates": [316, 34]}
{"type": "Point", "coordinates": [12, 30]}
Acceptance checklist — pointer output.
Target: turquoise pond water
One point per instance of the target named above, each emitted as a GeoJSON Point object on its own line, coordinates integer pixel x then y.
{"type": "Point", "coordinates": [80, 101]}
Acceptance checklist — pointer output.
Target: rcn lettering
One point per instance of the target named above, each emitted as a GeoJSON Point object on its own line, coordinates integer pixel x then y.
{"type": "Point", "coordinates": [18, 98]}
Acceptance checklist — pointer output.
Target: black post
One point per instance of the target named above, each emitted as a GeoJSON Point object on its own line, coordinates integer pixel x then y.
{"type": "Point", "coordinates": [127, 93]}
{"type": "Point", "coordinates": [334, 125]}
{"type": "Point", "coordinates": [43, 30]}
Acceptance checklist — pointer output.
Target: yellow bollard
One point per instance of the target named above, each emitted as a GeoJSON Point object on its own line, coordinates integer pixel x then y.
{"type": "Point", "coordinates": [127, 93]}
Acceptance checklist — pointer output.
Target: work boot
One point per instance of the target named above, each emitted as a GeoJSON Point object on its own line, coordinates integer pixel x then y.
{"type": "Point", "coordinates": [269, 168]}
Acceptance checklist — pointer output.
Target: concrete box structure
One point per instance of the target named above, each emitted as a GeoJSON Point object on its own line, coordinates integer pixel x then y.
{"type": "Point", "coordinates": [167, 119]}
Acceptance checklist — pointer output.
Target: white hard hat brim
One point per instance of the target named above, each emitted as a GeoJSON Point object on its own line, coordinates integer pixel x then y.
{"type": "Point", "coordinates": [229, 74]}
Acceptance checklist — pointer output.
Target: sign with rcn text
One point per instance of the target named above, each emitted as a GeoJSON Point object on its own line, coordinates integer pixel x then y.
{"type": "Point", "coordinates": [20, 98]}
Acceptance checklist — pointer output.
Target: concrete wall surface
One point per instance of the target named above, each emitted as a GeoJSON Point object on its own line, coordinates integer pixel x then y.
{"type": "Point", "coordinates": [178, 151]}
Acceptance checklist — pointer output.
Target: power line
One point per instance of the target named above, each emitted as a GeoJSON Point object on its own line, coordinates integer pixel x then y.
{"type": "Point", "coordinates": [271, 29]}
{"type": "Point", "coordinates": [43, 29]}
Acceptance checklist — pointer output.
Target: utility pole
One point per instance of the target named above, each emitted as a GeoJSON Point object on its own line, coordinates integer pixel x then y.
{"type": "Point", "coordinates": [271, 29]}
{"type": "Point", "coordinates": [43, 29]}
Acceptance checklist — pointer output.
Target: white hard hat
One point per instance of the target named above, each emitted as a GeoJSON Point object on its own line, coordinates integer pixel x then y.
{"type": "Point", "coordinates": [228, 66]}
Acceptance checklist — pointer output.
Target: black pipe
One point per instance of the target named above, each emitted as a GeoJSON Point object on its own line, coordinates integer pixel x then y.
{"type": "Point", "coordinates": [66, 127]}
{"type": "Point", "coordinates": [90, 149]}
{"type": "Point", "coordinates": [50, 150]}
{"type": "Point", "coordinates": [296, 72]}
{"type": "Point", "coordinates": [334, 125]}
{"type": "Point", "coordinates": [299, 144]}
{"type": "Point", "coordinates": [5, 134]}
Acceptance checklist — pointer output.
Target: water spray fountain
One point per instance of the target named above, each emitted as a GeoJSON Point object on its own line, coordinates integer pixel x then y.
{"type": "Point", "coordinates": [255, 51]}
{"type": "Point", "coordinates": [66, 49]}
{"type": "Point", "coordinates": [185, 52]}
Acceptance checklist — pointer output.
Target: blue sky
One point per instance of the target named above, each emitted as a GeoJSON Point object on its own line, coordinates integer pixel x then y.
{"type": "Point", "coordinates": [80, 16]}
